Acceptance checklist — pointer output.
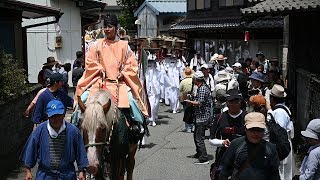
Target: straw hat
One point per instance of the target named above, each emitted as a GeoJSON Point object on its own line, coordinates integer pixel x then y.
{"type": "Point", "coordinates": [188, 72]}
{"type": "Point", "coordinates": [278, 91]}
{"type": "Point", "coordinates": [214, 57]}
{"type": "Point", "coordinates": [198, 75]}
{"type": "Point", "coordinates": [50, 62]}
{"type": "Point", "coordinates": [221, 57]}
{"type": "Point", "coordinates": [222, 76]}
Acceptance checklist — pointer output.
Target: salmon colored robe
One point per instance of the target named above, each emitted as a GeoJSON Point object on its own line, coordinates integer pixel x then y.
{"type": "Point", "coordinates": [103, 57]}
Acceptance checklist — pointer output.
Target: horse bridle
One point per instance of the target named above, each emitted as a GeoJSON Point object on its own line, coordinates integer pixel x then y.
{"type": "Point", "coordinates": [97, 144]}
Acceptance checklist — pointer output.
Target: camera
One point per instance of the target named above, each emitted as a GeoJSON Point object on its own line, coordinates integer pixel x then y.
{"type": "Point", "coordinates": [230, 130]}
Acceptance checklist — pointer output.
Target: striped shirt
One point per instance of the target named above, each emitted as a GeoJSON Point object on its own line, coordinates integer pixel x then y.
{"type": "Point", "coordinates": [56, 146]}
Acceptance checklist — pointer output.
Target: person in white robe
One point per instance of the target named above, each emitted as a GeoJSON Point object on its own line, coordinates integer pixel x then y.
{"type": "Point", "coordinates": [282, 117]}
{"type": "Point", "coordinates": [161, 68]}
{"type": "Point", "coordinates": [153, 90]}
{"type": "Point", "coordinates": [173, 72]}
{"type": "Point", "coordinates": [196, 62]}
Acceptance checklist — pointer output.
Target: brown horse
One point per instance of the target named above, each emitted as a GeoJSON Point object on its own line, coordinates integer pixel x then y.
{"type": "Point", "coordinates": [106, 136]}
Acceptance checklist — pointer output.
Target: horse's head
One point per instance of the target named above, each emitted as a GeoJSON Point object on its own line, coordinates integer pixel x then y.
{"type": "Point", "coordinates": [99, 114]}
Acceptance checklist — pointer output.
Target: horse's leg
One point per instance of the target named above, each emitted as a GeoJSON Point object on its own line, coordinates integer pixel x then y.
{"type": "Point", "coordinates": [131, 160]}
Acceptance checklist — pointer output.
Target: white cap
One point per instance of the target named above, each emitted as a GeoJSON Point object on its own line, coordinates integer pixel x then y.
{"type": "Point", "coordinates": [198, 75]}
{"type": "Point", "coordinates": [229, 69]}
{"type": "Point", "coordinates": [238, 65]}
{"type": "Point", "coordinates": [205, 66]}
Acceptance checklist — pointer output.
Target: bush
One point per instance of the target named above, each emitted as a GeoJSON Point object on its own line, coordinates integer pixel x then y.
{"type": "Point", "coordinates": [12, 77]}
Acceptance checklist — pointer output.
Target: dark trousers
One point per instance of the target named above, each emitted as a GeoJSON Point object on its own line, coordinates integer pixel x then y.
{"type": "Point", "coordinates": [199, 137]}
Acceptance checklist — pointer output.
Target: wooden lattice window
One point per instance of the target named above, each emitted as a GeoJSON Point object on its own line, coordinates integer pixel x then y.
{"type": "Point", "coordinates": [191, 4]}
{"type": "Point", "coordinates": [200, 4]}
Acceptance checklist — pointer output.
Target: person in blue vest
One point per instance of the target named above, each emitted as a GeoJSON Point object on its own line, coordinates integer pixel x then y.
{"type": "Point", "coordinates": [52, 92]}
{"type": "Point", "coordinates": [55, 145]}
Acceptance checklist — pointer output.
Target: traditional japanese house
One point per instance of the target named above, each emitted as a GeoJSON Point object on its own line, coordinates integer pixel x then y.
{"type": "Point", "coordinates": [300, 52]}
{"type": "Point", "coordinates": [213, 26]}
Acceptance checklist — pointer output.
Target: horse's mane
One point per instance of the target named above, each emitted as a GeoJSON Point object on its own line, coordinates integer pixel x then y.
{"type": "Point", "coordinates": [94, 116]}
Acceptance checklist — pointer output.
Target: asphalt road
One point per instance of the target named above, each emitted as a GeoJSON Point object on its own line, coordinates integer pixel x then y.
{"type": "Point", "coordinates": [164, 156]}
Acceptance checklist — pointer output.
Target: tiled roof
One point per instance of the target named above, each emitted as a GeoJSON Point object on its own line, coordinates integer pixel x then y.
{"type": "Point", "coordinates": [266, 23]}
{"type": "Point", "coordinates": [272, 6]}
{"type": "Point", "coordinates": [206, 24]}
{"type": "Point", "coordinates": [255, 0]}
{"type": "Point", "coordinates": [164, 6]}
{"type": "Point", "coordinates": [227, 24]}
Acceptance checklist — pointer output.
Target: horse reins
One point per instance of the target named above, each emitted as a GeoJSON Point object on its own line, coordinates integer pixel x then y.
{"type": "Point", "coordinates": [97, 144]}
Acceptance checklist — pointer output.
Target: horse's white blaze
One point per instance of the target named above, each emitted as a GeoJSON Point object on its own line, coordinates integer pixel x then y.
{"type": "Point", "coordinates": [95, 117]}
{"type": "Point", "coordinates": [92, 151]}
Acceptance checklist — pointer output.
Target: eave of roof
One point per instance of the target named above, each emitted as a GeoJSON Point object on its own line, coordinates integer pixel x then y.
{"type": "Point", "coordinates": [227, 24]}
{"type": "Point", "coordinates": [163, 6]}
{"type": "Point", "coordinates": [206, 24]}
{"type": "Point", "coordinates": [31, 11]}
{"type": "Point", "coordinates": [281, 7]}
{"type": "Point", "coordinates": [92, 4]}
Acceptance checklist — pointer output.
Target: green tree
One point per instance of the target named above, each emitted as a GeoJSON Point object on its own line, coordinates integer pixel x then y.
{"type": "Point", "coordinates": [126, 19]}
{"type": "Point", "coordinates": [12, 77]}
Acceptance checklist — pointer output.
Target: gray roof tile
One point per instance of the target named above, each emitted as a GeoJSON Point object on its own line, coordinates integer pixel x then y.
{"type": "Point", "coordinates": [226, 24]}
{"type": "Point", "coordinates": [268, 6]}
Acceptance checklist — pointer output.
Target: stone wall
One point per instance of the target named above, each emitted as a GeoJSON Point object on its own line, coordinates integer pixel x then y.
{"type": "Point", "coordinates": [14, 130]}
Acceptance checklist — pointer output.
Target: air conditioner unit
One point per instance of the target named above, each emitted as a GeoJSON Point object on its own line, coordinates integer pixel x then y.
{"type": "Point", "coordinates": [58, 42]}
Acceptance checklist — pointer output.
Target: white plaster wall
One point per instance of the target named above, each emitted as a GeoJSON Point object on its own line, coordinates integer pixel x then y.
{"type": "Point", "coordinates": [41, 40]}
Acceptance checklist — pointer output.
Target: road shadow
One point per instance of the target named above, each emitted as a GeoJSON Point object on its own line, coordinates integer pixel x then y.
{"type": "Point", "coordinates": [148, 146]}
{"type": "Point", "coordinates": [160, 122]}
{"type": "Point", "coordinates": [210, 157]}
{"type": "Point", "coordinates": [163, 116]}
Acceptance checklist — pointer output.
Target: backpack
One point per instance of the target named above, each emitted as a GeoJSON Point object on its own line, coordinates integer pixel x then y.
{"type": "Point", "coordinates": [279, 136]}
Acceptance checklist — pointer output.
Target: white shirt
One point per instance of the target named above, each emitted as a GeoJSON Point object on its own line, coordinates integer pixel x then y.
{"type": "Point", "coordinates": [52, 132]}
{"type": "Point", "coordinates": [210, 82]}
{"type": "Point", "coordinates": [283, 119]}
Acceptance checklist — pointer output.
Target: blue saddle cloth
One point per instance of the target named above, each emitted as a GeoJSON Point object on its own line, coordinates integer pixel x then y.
{"type": "Point", "coordinates": [76, 113]}
{"type": "Point", "coordinates": [135, 112]}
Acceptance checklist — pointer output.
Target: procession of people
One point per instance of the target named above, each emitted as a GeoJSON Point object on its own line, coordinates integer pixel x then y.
{"type": "Point", "coordinates": [234, 103]}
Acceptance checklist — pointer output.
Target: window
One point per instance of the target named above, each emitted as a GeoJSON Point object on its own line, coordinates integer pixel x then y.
{"type": "Point", "coordinates": [221, 47]}
{"type": "Point", "coordinates": [207, 4]}
{"type": "Point", "coordinates": [230, 3]}
{"type": "Point", "coordinates": [200, 4]}
{"type": "Point", "coordinates": [191, 4]}
{"type": "Point", "coordinates": [209, 48]}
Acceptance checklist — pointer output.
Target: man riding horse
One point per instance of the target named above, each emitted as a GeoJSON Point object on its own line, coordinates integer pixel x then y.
{"type": "Point", "coordinates": [110, 64]}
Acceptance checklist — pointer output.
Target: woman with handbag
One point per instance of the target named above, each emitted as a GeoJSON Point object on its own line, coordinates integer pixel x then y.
{"type": "Point", "coordinates": [186, 88]}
